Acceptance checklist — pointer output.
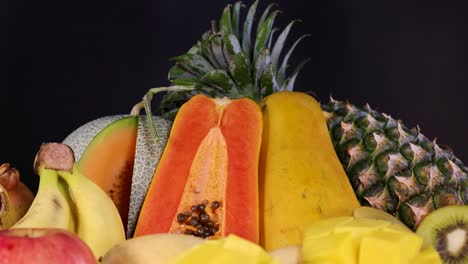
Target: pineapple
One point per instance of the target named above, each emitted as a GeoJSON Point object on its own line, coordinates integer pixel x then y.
{"type": "Point", "coordinates": [391, 167]}
{"type": "Point", "coordinates": [394, 168]}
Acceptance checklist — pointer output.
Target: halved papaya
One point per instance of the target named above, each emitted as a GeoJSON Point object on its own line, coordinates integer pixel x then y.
{"type": "Point", "coordinates": [109, 158]}
{"type": "Point", "coordinates": [206, 183]}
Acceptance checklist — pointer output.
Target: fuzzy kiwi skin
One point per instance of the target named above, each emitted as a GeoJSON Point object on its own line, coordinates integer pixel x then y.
{"type": "Point", "coordinates": [442, 227]}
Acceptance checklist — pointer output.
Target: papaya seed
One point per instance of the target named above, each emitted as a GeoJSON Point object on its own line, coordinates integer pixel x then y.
{"type": "Point", "coordinates": [215, 204]}
{"type": "Point", "coordinates": [204, 218]}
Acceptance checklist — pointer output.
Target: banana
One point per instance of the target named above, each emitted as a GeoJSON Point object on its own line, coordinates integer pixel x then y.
{"type": "Point", "coordinates": [154, 248]}
{"type": "Point", "coordinates": [98, 220]}
{"type": "Point", "coordinates": [50, 208]}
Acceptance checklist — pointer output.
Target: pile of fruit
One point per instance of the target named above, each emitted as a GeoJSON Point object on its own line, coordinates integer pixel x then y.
{"type": "Point", "coordinates": [239, 168]}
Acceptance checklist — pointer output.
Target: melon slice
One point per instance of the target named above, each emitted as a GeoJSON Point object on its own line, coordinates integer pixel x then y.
{"type": "Point", "coordinates": [80, 138]}
{"type": "Point", "coordinates": [108, 161]}
{"type": "Point", "coordinates": [207, 172]}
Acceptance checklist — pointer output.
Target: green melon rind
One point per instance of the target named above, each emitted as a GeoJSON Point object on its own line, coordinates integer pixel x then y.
{"type": "Point", "coordinates": [147, 156]}
{"type": "Point", "coordinates": [79, 139]}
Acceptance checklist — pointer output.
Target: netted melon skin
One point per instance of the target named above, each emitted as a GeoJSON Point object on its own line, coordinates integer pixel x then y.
{"type": "Point", "coordinates": [147, 155]}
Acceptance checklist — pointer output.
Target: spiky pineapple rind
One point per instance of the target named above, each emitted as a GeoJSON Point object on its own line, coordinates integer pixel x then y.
{"type": "Point", "coordinates": [392, 167]}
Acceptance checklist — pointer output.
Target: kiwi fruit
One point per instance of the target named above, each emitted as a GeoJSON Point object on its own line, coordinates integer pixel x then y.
{"type": "Point", "coordinates": [446, 229]}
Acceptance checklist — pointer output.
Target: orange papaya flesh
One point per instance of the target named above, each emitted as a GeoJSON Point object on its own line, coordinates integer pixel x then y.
{"type": "Point", "coordinates": [108, 161]}
{"type": "Point", "coordinates": [210, 160]}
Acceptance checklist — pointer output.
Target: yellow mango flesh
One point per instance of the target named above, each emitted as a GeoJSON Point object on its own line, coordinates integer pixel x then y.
{"type": "Point", "coordinates": [325, 227]}
{"type": "Point", "coordinates": [359, 240]}
{"type": "Point", "coordinates": [382, 248]}
{"type": "Point", "coordinates": [359, 228]}
{"type": "Point", "coordinates": [334, 248]}
{"type": "Point", "coordinates": [412, 242]}
{"type": "Point", "coordinates": [301, 178]}
{"type": "Point", "coordinates": [428, 256]}
{"type": "Point", "coordinates": [229, 250]}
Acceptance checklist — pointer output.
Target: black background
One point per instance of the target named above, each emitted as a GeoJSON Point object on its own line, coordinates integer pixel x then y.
{"type": "Point", "coordinates": [67, 62]}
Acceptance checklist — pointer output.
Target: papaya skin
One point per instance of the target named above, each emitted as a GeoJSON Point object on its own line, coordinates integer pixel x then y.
{"type": "Point", "coordinates": [300, 177]}
{"type": "Point", "coordinates": [211, 155]}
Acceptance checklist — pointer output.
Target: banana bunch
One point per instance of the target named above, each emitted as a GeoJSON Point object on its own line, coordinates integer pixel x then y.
{"type": "Point", "coordinates": [68, 200]}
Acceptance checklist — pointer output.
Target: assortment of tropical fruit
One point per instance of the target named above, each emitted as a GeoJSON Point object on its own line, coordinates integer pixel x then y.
{"type": "Point", "coordinates": [239, 168]}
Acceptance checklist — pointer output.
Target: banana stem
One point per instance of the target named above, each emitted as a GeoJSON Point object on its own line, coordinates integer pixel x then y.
{"type": "Point", "coordinates": [147, 105]}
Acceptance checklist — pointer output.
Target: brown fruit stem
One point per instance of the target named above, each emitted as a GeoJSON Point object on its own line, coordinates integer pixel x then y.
{"type": "Point", "coordinates": [55, 156]}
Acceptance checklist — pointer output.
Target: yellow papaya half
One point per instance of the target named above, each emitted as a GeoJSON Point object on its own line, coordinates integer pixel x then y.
{"type": "Point", "coordinates": [206, 183]}
{"type": "Point", "coordinates": [301, 178]}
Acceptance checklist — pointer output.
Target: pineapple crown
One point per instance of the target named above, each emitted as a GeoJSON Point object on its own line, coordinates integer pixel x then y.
{"type": "Point", "coordinates": [228, 61]}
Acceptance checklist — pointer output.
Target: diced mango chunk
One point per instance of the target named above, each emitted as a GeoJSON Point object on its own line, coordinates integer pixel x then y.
{"type": "Point", "coordinates": [383, 248]}
{"type": "Point", "coordinates": [412, 242]}
{"type": "Point", "coordinates": [334, 248]}
{"type": "Point", "coordinates": [427, 256]}
{"type": "Point", "coordinates": [325, 227]}
{"type": "Point", "coordinates": [359, 227]}
{"type": "Point", "coordinates": [364, 241]}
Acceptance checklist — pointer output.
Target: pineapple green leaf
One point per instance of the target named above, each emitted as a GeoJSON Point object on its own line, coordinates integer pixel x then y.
{"type": "Point", "coordinates": [263, 34]}
{"type": "Point", "coordinates": [290, 81]}
{"type": "Point", "coordinates": [247, 31]}
{"type": "Point", "coordinates": [222, 81]}
{"type": "Point", "coordinates": [237, 64]}
{"type": "Point", "coordinates": [169, 98]}
{"type": "Point", "coordinates": [217, 49]}
{"type": "Point", "coordinates": [268, 83]}
{"type": "Point", "coordinates": [187, 82]}
{"type": "Point", "coordinates": [272, 36]}
{"type": "Point", "coordinates": [279, 44]}
{"type": "Point", "coordinates": [239, 67]}
{"type": "Point", "coordinates": [284, 64]}
{"type": "Point", "coordinates": [232, 45]}
{"type": "Point", "coordinates": [205, 48]}
{"type": "Point", "coordinates": [264, 16]}
{"type": "Point", "coordinates": [195, 49]}
{"type": "Point", "coordinates": [176, 72]}
{"type": "Point", "coordinates": [170, 114]}
{"type": "Point", "coordinates": [263, 60]}
{"type": "Point", "coordinates": [194, 63]}
{"type": "Point", "coordinates": [240, 71]}
{"type": "Point", "coordinates": [235, 18]}
{"type": "Point", "coordinates": [225, 23]}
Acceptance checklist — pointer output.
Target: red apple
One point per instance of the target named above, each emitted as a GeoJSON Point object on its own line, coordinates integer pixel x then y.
{"type": "Point", "coordinates": [43, 245]}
